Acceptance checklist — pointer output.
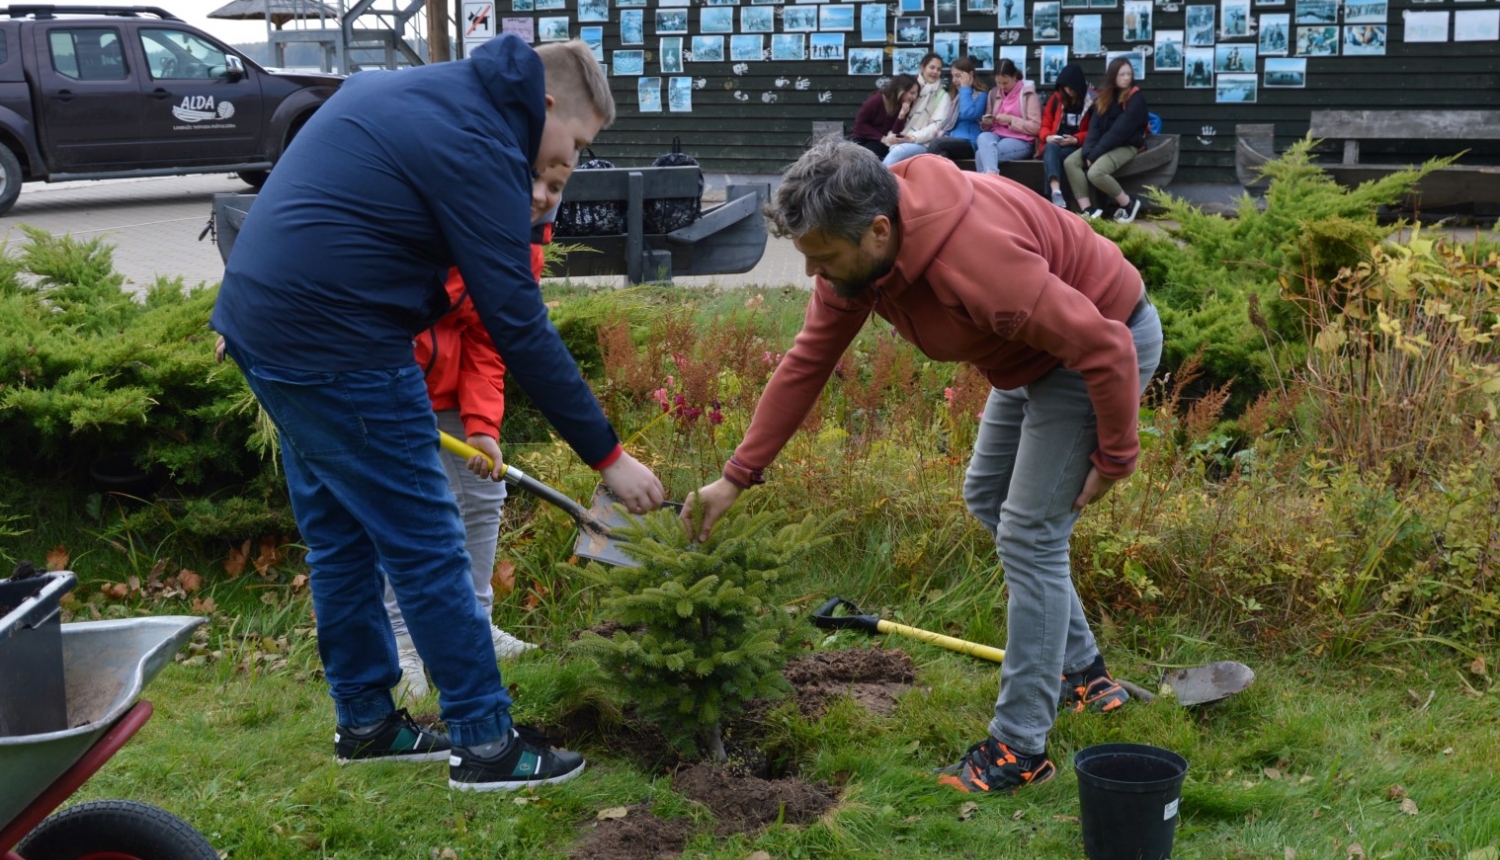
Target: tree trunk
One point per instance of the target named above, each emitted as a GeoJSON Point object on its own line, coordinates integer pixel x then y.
{"type": "Point", "coordinates": [713, 743]}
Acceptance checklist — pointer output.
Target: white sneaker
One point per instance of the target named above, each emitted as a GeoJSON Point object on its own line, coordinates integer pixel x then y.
{"type": "Point", "coordinates": [1093, 214]}
{"type": "Point", "coordinates": [506, 645]}
{"type": "Point", "coordinates": [1127, 213]}
{"type": "Point", "coordinates": [413, 684]}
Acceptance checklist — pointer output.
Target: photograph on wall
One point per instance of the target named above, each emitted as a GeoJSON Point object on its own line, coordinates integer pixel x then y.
{"type": "Point", "coordinates": [1317, 12]}
{"type": "Point", "coordinates": [1046, 22]}
{"type": "Point", "coordinates": [1365, 40]}
{"type": "Point", "coordinates": [1167, 55]}
{"type": "Point", "coordinates": [673, 3]}
{"type": "Point", "coordinates": [1234, 17]}
{"type": "Point", "coordinates": [906, 61]}
{"type": "Point", "coordinates": [721, 2]}
{"type": "Point", "coordinates": [1137, 21]}
{"type": "Point", "coordinates": [1054, 57]}
{"type": "Point", "coordinates": [1232, 58]}
{"type": "Point", "coordinates": [630, 62]}
{"type": "Point", "coordinates": [1136, 58]}
{"type": "Point", "coordinates": [707, 49]}
{"type": "Point", "coordinates": [549, 5]}
{"type": "Point", "coordinates": [623, 3]}
{"type": "Point", "coordinates": [981, 46]}
{"type": "Point", "coordinates": [1270, 2]}
{"type": "Point", "coordinates": [1088, 38]}
{"type": "Point", "coordinates": [1016, 54]}
{"type": "Point", "coordinates": [671, 56]}
{"type": "Point", "coordinates": [594, 38]}
{"type": "Point", "coordinates": [1474, 25]}
{"type": "Point", "coordinates": [523, 5]}
{"type": "Point", "coordinates": [1285, 73]}
{"type": "Point", "coordinates": [911, 31]}
{"type": "Point", "coordinates": [1426, 26]}
{"type": "Point", "coordinates": [1275, 30]}
{"type": "Point", "coordinates": [826, 46]}
{"type": "Point", "coordinates": [1365, 11]}
{"type": "Point", "coordinates": [866, 61]}
{"type": "Point", "coordinates": [1200, 26]}
{"type": "Point", "coordinates": [945, 13]}
{"type": "Point", "coordinates": [648, 95]}
{"type": "Point", "coordinates": [982, 7]}
{"type": "Point", "coordinates": [1318, 41]}
{"type": "Point", "coordinates": [1104, 4]}
{"type": "Point", "coordinates": [945, 45]}
{"type": "Point", "coordinates": [800, 19]}
{"type": "Point", "coordinates": [680, 94]}
{"type": "Point", "coordinates": [552, 29]}
{"type": "Point", "coordinates": [757, 19]}
{"type": "Point", "coordinates": [593, 10]}
{"type": "Point", "coordinates": [788, 46]}
{"type": "Point", "coordinates": [1235, 89]}
{"type": "Point", "coordinates": [872, 22]}
{"type": "Point", "coordinates": [912, 6]}
{"type": "Point", "coordinates": [836, 18]}
{"type": "Point", "coordinates": [522, 27]}
{"type": "Point", "coordinates": [1011, 14]}
{"type": "Point", "coordinates": [747, 49]}
{"type": "Point", "coordinates": [671, 22]}
{"type": "Point", "coordinates": [716, 19]}
{"type": "Point", "coordinates": [632, 27]}
{"type": "Point", "coordinates": [1198, 69]}
{"type": "Point", "coordinates": [1075, 4]}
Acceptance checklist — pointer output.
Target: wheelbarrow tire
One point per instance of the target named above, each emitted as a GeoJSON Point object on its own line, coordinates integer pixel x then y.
{"type": "Point", "coordinates": [115, 829]}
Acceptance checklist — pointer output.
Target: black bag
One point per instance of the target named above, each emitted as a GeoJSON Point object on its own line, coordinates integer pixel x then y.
{"type": "Point", "coordinates": [596, 218]}
{"type": "Point", "coordinates": [664, 216]}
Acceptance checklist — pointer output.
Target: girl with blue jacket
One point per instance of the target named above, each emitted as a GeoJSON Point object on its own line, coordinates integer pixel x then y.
{"type": "Point", "coordinates": [969, 97]}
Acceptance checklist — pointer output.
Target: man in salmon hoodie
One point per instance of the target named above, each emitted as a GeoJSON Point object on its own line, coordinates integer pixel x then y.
{"type": "Point", "coordinates": [1059, 323]}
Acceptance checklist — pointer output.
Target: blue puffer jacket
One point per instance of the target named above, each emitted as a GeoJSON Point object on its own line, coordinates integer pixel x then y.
{"type": "Point", "coordinates": [969, 107]}
{"type": "Point", "coordinates": [398, 177]}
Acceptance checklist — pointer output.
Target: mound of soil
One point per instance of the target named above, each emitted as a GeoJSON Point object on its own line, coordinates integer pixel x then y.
{"type": "Point", "coordinates": [638, 836]}
{"type": "Point", "coordinates": [874, 677]}
{"type": "Point", "coordinates": [745, 803]}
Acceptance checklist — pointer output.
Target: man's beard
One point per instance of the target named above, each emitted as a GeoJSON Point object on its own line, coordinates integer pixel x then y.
{"type": "Point", "coordinates": [856, 286]}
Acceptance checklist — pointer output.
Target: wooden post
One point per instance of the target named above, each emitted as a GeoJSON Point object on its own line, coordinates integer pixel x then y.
{"type": "Point", "coordinates": [438, 47]}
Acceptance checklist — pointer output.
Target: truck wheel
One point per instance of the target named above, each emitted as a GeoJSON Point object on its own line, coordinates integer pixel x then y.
{"type": "Point", "coordinates": [117, 830]}
{"type": "Point", "coordinates": [10, 179]}
{"type": "Point", "coordinates": [254, 178]}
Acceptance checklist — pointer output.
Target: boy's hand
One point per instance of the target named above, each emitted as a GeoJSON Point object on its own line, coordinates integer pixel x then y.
{"type": "Point", "coordinates": [634, 484]}
{"type": "Point", "coordinates": [1095, 487]}
{"type": "Point", "coordinates": [716, 498]}
{"type": "Point", "coordinates": [480, 466]}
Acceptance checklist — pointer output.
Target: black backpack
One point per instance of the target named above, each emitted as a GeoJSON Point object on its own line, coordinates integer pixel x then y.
{"type": "Point", "coordinates": [596, 218]}
{"type": "Point", "coordinates": [664, 216]}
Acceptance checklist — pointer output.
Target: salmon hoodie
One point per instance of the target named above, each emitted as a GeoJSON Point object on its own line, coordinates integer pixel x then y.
{"type": "Point", "coordinates": [987, 272]}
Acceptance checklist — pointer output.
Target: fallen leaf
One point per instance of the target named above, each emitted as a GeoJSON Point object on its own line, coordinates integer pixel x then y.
{"type": "Point", "coordinates": [1477, 667]}
{"type": "Point", "coordinates": [1408, 806]}
{"type": "Point", "coordinates": [1071, 819]}
{"type": "Point", "coordinates": [234, 565]}
{"type": "Point", "coordinates": [1018, 815]}
{"type": "Point", "coordinates": [1489, 852]}
{"type": "Point", "coordinates": [1448, 751]}
{"type": "Point", "coordinates": [504, 578]}
{"type": "Point", "coordinates": [133, 583]}
{"type": "Point", "coordinates": [444, 854]}
{"type": "Point", "coordinates": [269, 556]}
{"type": "Point", "coordinates": [1395, 792]}
{"type": "Point", "coordinates": [58, 558]}
{"type": "Point", "coordinates": [1317, 813]}
{"type": "Point", "coordinates": [525, 799]}
{"type": "Point", "coordinates": [613, 812]}
{"type": "Point", "coordinates": [205, 606]}
{"type": "Point", "coordinates": [299, 582]}
{"type": "Point", "coordinates": [1271, 773]}
{"type": "Point", "coordinates": [1304, 779]}
{"type": "Point", "coordinates": [967, 811]}
{"type": "Point", "coordinates": [1354, 850]}
{"type": "Point", "coordinates": [189, 581]}
{"type": "Point", "coordinates": [115, 590]}
{"type": "Point", "coordinates": [1289, 853]}
{"type": "Point", "coordinates": [759, 855]}
{"type": "Point", "coordinates": [157, 570]}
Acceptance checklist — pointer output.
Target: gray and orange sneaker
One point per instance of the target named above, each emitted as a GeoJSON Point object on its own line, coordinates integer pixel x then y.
{"type": "Point", "coordinates": [396, 738]}
{"type": "Point", "coordinates": [991, 766]}
{"type": "Point", "coordinates": [1092, 689]}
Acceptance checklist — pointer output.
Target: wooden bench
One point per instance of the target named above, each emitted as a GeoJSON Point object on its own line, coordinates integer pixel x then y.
{"type": "Point", "coordinates": [1455, 185]}
{"type": "Point", "coordinates": [1154, 167]}
{"type": "Point", "coordinates": [726, 239]}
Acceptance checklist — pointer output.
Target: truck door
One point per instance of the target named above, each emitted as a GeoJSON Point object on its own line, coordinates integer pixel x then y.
{"type": "Point", "coordinates": [202, 104]}
{"type": "Point", "coordinates": [90, 102]}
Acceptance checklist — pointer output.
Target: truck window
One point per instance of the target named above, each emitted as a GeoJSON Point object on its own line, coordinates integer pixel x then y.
{"type": "Point", "coordinates": [178, 55]}
{"type": "Point", "coordinates": [88, 54]}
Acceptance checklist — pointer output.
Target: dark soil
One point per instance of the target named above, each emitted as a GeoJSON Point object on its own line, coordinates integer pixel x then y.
{"type": "Point", "coordinates": [873, 677]}
{"type": "Point", "coordinates": [638, 836]}
{"type": "Point", "coordinates": [745, 803]}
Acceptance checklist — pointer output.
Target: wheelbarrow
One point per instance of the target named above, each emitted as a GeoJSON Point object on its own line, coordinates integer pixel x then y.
{"type": "Point", "coordinates": [105, 666]}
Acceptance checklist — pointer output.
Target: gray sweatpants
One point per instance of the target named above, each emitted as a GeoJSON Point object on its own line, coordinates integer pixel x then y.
{"type": "Point", "coordinates": [1030, 460]}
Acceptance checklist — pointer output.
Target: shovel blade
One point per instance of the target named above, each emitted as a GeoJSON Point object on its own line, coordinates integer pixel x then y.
{"type": "Point", "coordinates": [1200, 685]}
{"type": "Point", "coordinates": [599, 544]}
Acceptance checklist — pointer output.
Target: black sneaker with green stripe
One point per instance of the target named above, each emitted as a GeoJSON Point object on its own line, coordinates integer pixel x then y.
{"type": "Point", "coordinates": [396, 738]}
{"type": "Point", "coordinates": [528, 759]}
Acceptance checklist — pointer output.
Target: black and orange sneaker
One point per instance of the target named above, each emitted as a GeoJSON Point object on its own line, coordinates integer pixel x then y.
{"type": "Point", "coordinates": [991, 766]}
{"type": "Point", "coordinates": [1092, 689]}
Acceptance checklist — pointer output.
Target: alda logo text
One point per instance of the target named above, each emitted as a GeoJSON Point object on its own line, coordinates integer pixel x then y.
{"type": "Point", "coordinates": [202, 109]}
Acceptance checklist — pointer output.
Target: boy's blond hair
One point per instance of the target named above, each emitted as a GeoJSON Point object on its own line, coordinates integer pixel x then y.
{"type": "Point", "coordinates": [574, 76]}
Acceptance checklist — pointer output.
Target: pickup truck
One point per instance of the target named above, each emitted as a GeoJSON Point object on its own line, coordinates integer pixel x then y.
{"type": "Point", "coordinates": [97, 92]}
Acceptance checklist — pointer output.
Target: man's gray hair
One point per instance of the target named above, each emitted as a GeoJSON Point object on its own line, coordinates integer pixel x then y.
{"type": "Point", "coordinates": [836, 188]}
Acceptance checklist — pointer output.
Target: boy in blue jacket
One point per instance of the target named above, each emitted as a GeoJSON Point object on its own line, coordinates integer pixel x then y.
{"type": "Point", "coordinates": [398, 177]}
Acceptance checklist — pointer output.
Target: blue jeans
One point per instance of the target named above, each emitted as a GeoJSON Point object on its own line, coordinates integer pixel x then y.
{"type": "Point", "coordinates": [903, 151]}
{"type": "Point", "coordinates": [1030, 460]}
{"type": "Point", "coordinates": [360, 452]}
{"type": "Point", "coordinates": [995, 148]}
{"type": "Point", "coordinates": [1053, 156]}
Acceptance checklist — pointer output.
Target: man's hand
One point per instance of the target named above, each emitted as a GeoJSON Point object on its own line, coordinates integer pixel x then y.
{"type": "Point", "coordinates": [219, 349]}
{"type": "Point", "coordinates": [478, 465]}
{"type": "Point", "coordinates": [1095, 487]}
{"type": "Point", "coordinates": [716, 498]}
{"type": "Point", "coordinates": [636, 486]}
